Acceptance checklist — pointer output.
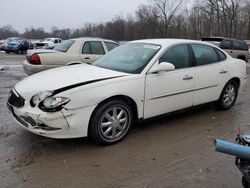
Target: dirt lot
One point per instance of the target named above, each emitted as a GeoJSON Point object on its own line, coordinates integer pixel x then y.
{"type": "Point", "coordinates": [171, 151]}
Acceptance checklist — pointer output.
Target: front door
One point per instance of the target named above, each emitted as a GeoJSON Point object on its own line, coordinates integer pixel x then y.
{"type": "Point", "coordinates": [173, 90]}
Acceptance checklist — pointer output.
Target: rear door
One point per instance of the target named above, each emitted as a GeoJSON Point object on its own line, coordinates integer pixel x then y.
{"type": "Point", "coordinates": [91, 51]}
{"type": "Point", "coordinates": [211, 73]}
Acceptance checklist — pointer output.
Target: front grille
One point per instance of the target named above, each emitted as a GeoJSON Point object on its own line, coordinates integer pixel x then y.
{"type": "Point", "coordinates": [16, 99]}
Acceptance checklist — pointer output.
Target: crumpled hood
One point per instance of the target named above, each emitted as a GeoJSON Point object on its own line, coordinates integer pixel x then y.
{"type": "Point", "coordinates": [58, 78]}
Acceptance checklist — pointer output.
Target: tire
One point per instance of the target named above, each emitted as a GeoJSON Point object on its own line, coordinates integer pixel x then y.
{"type": "Point", "coordinates": [19, 51]}
{"type": "Point", "coordinates": [245, 182]}
{"type": "Point", "coordinates": [7, 52]}
{"type": "Point", "coordinates": [242, 57]}
{"type": "Point", "coordinates": [228, 96]}
{"type": "Point", "coordinates": [110, 122]}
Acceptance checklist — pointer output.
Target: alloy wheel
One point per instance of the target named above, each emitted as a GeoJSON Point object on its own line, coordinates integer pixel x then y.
{"type": "Point", "coordinates": [229, 95]}
{"type": "Point", "coordinates": [114, 123]}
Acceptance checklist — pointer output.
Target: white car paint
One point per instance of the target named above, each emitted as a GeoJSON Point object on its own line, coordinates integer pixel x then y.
{"type": "Point", "coordinates": [47, 43]}
{"type": "Point", "coordinates": [153, 93]}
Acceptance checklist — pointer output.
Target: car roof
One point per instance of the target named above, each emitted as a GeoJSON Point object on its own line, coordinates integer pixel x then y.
{"type": "Point", "coordinates": [168, 42]}
{"type": "Point", "coordinates": [219, 39]}
{"type": "Point", "coordinates": [92, 39]}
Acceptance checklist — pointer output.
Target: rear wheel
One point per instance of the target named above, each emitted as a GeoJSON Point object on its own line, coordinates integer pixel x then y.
{"type": "Point", "coordinates": [245, 183]}
{"type": "Point", "coordinates": [111, 122]}
{"type": "Point", "coordinates": [228, 96]}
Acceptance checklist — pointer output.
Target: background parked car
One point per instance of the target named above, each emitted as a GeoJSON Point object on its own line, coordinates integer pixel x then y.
{"type": "Point", "coordinates": [73, 51]}
{"type": "Point", "coordinates": [234, 47]}
{"type": "Point", "coordinates": [48, 43]}
{"type": "Point", "coordinates": [17, 45]}
{"type": "Point", "coordinates": [8, 40]}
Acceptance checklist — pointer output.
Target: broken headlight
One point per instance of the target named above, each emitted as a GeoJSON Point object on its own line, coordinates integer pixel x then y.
{"type": "Point", "coordinates": [37, 98]}
{"type": "Point", "coordinates": [53, 104]}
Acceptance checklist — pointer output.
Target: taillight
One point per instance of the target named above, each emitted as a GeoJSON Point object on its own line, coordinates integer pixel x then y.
{"type": "Point", "coordinates": [35, 59]}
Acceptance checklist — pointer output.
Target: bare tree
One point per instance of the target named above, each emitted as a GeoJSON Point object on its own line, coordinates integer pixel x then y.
{"type": "Point", "coordinates": [167, 9]}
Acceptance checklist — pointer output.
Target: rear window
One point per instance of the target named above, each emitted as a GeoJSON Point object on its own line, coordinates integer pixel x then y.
{"type": "Point", "coordinates": [240, 45]}
{"type": "Point", "coordinates": [64, 46]}
{"type": "Point", "coordinates": [111, 45]}
{"type": "Point", "coordinates": [204, 54]}
{"type": "Point", "coordinates": [221, 55]}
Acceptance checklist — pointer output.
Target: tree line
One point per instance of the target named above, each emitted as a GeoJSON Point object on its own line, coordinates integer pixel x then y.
{"type": "Point", "coordinates": [160, 19]}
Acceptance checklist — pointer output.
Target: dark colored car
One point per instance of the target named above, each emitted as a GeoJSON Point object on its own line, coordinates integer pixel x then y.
{"type": "Point", "coordinates": [17, 45]}
{"type": "Point", "coordinates": [234, 47]}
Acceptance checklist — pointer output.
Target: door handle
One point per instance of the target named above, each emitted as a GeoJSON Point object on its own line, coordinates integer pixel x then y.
{"type": "Point", "coordinates": [187, 77]}
{"type": "Point", "coordinates": [223, 71]}
{"type": "Point", "coordinates": [86, 58]}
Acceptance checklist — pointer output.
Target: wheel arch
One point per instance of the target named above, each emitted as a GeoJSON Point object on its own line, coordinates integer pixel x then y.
{"type": "Point", "coordinates": [242, 57]}
{"type": "Point", "coordinates": [124, 98]}
{"type": "Point", "coordinates": [237, 81]}
{"type": "Point", "coordinates": [74, 63]}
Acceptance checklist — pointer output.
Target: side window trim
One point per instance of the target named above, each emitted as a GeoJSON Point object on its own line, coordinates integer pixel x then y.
{"type": "Point", "coordinates": [191, 54]}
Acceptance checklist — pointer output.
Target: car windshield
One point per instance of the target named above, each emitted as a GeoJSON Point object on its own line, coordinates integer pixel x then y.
{"type": "Point", "coordinates": [129, 58]}
{"type": "Point", "coordinates": [12, 40]}
{"type": "Point", "coordinates": [48, 39]}
{"type": "Point", "coordinates": [64, 46]}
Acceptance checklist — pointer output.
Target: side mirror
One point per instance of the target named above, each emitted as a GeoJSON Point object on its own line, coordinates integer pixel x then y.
{"type": "Point", "coordinates": [162, 67]}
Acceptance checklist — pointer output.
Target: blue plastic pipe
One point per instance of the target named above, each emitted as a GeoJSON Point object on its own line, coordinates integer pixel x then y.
{"type": "Point", "coordinates": [240, 151]}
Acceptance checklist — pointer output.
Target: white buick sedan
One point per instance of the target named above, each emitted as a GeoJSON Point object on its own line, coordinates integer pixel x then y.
{"type": "Point", "coordinates": [138, 80]}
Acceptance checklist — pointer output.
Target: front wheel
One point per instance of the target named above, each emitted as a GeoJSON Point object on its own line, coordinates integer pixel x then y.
{"type": "Point", "coordinates": [111, 122]}
{"type": "Point", "coordinates": [228, 96]}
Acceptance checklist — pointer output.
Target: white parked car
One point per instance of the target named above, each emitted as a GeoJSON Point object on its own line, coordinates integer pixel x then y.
{"type": "Point", "coordinates": [48, 43]}
{"type": "Point", "coordinates": [138, 80]}
{"type": "Point", "coordinates": [69, 52]}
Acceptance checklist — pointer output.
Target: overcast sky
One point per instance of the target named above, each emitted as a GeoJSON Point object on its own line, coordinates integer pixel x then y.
{"type": "Point", "coordinates": [62, 13]}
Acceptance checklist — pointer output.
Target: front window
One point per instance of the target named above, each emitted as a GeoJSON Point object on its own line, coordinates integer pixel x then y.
{"type": "Point", "coordinates": [240, 45]}
{"type": "Point", "coordinates": [129, 58]}
{"type": "Point", "coordinates": [226, 44]}
{"type": "Point", "coordinates": [178, 55]}
{"type": "Point", "coordinates": [64, 46]}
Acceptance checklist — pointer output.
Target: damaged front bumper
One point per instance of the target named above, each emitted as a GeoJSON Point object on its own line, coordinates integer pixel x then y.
{"type": "Point", "coordinates": [49, 125]}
